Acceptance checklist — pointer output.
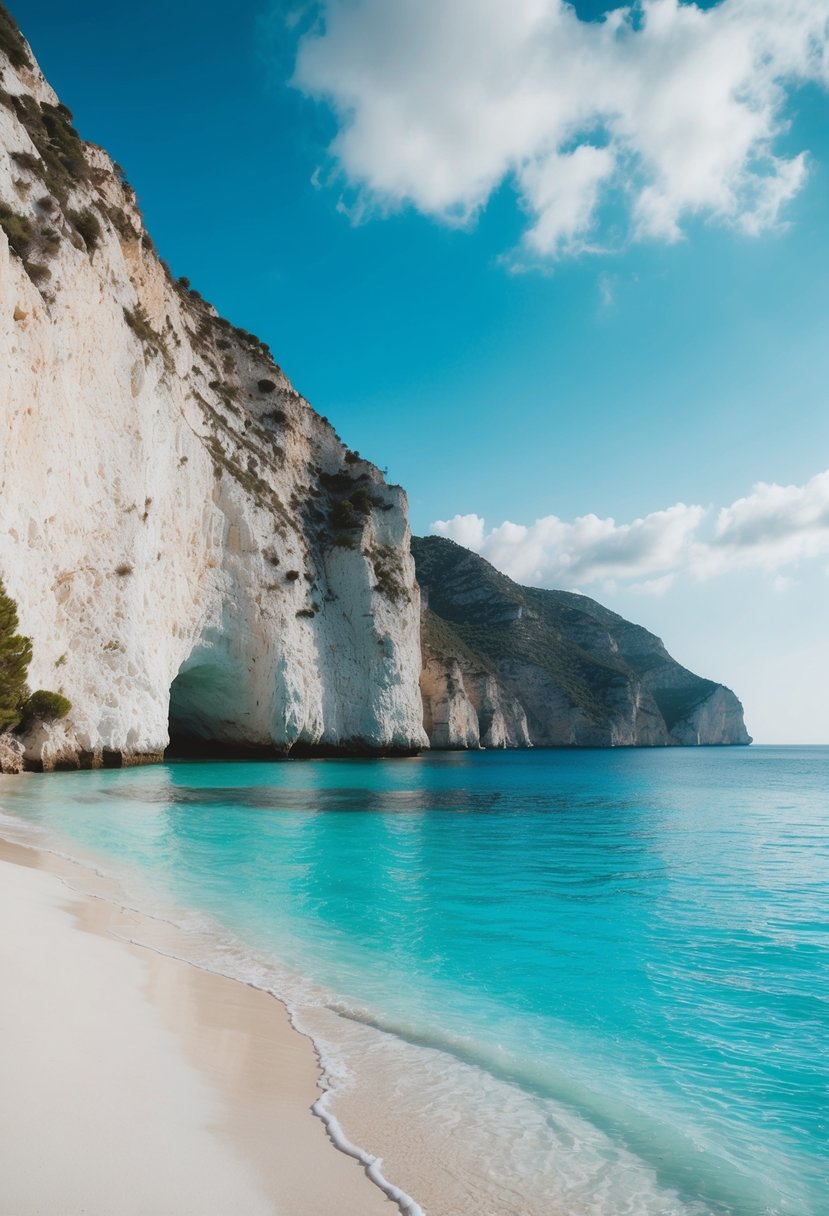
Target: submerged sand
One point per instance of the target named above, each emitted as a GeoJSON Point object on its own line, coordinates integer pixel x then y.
{"type": "Point", "coordinates": [134, 1084]}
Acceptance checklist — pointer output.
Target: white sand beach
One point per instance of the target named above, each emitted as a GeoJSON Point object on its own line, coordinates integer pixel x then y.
{"type": "Point", "coordinates": [134, 1084]}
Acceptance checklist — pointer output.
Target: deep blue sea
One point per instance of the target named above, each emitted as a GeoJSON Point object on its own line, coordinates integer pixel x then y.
{"type": "Point", "coordinates": [624, 954]}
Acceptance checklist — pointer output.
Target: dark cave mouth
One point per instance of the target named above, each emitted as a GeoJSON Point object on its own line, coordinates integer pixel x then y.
{"type": "Point", "coordinates": [202, 726]}
{"type": "Point", "coordinates": [200, 722]}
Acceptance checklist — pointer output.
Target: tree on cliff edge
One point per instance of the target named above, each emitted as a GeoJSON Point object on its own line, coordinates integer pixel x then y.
{"type": "Point", "coordinates": [17, 705]}
{"type": "Point", "coordinates": [15, 657]}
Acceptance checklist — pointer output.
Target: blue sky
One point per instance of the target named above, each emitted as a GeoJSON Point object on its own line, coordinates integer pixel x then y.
{"type": "Point", "coordinates": [554, 354]}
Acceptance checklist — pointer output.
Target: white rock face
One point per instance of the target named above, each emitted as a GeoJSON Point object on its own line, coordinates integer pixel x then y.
{"type": "Point", "coordinates": [449, 717]}
{"type": "Point", "coordinates": [465, 706]}
{"type": "Point", "coordinates": [502, 719]}
{"type": "Point", "coordinates": [166, 522]}
{"type": "Point", "coordinates": [716, 720]}
{"type": "Point", "coordinates": [552, 718]}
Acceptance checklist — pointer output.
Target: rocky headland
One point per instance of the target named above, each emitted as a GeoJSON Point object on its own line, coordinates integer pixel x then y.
{"type": "Point", "coordinates": [512, 666]}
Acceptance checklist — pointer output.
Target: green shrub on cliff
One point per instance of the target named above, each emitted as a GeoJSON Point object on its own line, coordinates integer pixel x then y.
{"type": "Point", "coordinates": [11, 41]}
{"type": "Point", "coordinates": [62, 164]}
{"type": "Point", "coordinates": [43, 706]}
{"type": "Point", "coordinates": [343, 515]}
{"type": "Point", "coordinates": [17, 705]}
{"type": "Point", "coordinates": [88, 227]}
{"type": "Point", "coordinates": [18, 228]}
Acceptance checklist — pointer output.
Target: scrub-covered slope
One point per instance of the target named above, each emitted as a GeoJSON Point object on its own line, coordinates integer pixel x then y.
{"type": "Point", "coordinates": [181, 533]}
{"type": "Point", "coordinates": [562, 669]}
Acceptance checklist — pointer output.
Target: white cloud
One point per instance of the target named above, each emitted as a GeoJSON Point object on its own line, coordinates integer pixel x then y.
{"type": "Point", "coordinates": [772, 528]}
{"type": "Point", "coordinates": [669, 110]}
{"type": "Point", "coordinates": [467, 530]}
{"type": "Point", "coordinates": [587, 550]}
{"type": "Point", "coordinates": [563, 194]}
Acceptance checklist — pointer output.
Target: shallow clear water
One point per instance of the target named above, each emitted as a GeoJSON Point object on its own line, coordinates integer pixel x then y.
{"type": "Point", "coordinates": [633, 944]}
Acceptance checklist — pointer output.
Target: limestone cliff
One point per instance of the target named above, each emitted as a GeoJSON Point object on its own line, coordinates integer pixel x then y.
{"type": "Point", "coordinates": [465, 705]}
{"type": "Point", "coordinates": [187, 541]}
{"type": "Point", "coordinates": [561, 669]}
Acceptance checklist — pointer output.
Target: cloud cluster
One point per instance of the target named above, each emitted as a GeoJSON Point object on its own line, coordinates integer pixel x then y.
{"type": "Point", "coordinates": [771, 528]}
{"type": "Point", "coordinates": [663, 110]}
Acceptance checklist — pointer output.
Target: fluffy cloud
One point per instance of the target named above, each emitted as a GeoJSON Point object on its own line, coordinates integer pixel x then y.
{"type": "Point", "coordinates": [665, 109]}
{"type": "Point", "coordinates": [771, 528]}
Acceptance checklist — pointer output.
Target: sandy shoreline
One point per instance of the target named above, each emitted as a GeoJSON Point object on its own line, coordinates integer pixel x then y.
{"type": "Point", "coordinates": [134, 1084]}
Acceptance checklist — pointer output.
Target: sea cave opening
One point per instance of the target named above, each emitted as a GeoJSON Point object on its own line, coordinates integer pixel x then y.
{"type": "Point", "coordinates": [200, 716]}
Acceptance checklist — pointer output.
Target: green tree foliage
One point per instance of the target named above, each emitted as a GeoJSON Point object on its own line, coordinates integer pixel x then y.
{"type": "Point", "coordinates": [43, 706]}
{"type": "Point", "coordinates": [15, 657]}
{"type": "Point", "coordinates": [17, 705]}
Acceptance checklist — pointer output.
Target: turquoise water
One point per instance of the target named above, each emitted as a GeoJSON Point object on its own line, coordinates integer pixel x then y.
{"type": "Point", "coordinates": [639, 939]}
